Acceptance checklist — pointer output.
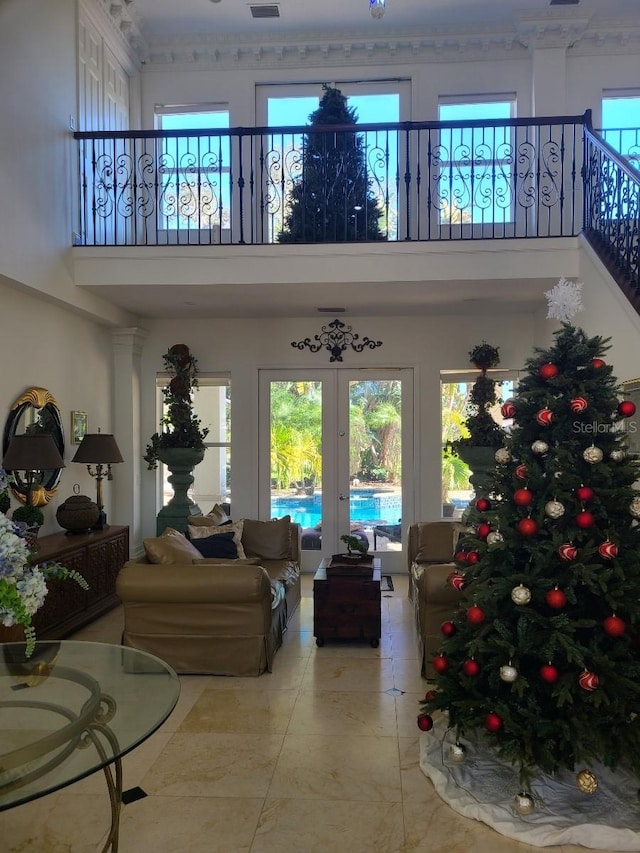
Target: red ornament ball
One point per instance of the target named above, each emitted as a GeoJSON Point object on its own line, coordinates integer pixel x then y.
{"type": "Point", "coordinates": [549, 673]}
{"type": "Point", "coordinates": [483, 504]}
{"type": "Point", "coordinates": [471, 667]}
{"type": "Point", "coordinates": [456, 580]}
{"type": "Point", "coordinates": [507, 410]}
{"type": "Point", "coordinates": [588, 680]}
{"type": "Point", "coordinates": [544, 417]}
{"type": "Point", "coordinates": [523, 497]}
{"type": "Point", "coordinates": [460, 556]}
{"type": "Point", "coordinates": [475, 615]}
{"type": "Point", "coordinates": [473, 557]}
{"type": "Point", "coordinates": [521, 472]}
{"type": "Point", "coordinates": [585, 520]}
{"type": "Point", "coordinates": [578, 404]}
{"type": "Point", "coordinates": [626, 409]}
{"type": "Point", "coordinates": [425, 722]}
{"type": "Point", "coordinates": [492, 722]}
{"type": "Point", "coordinates": [527, 527]}
{"type": "Point", "coordinates": [568, 551]}
{"type": "Point", "coordinates": [608, 550]}
{"type": "Point", "coordinates": [556, 598]}
{"type": "Point", "coordinates": [598, 362]}
{"type": "Point", "coordinates": [448, 628]}
{"type": "Point", "coordinates": [483, 530]}
{"type": "Point", "coordinates": [614, 626]}
{"type": "Point", "coordinates": [585, 494]}
{"type": "Point", "coordinates": [548, 371]}
{"type": "Point", "coordinates": [430, 695]}
{"type": "Point", "coordinates": [440, 664]}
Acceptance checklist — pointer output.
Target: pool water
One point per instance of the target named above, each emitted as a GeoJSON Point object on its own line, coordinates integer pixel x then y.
{"type": "Point", "coordinates": [369, 506]}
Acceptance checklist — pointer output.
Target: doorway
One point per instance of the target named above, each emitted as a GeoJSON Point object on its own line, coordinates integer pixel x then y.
{"type": "Point", "coordinates": [336, 451]}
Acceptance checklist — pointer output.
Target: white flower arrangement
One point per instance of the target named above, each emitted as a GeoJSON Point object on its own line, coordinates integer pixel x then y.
{"type": "Point", "coordinates": [23, 587]}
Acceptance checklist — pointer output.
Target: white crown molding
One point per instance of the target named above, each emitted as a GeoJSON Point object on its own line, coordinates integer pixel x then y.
{"type": "Point", "coordinates": [445, 44]}
{"type": "Point", "coordinates": [124, 24]}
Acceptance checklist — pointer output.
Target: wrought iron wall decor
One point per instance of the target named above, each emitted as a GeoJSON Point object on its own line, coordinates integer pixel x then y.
{"type": "Point", "coordinates": [335, 337]}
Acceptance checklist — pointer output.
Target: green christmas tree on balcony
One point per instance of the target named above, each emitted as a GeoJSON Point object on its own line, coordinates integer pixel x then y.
{"type": "Point", "coordinates": [332, 201]}
{"type": "Point", "coordinates": [541, 660]}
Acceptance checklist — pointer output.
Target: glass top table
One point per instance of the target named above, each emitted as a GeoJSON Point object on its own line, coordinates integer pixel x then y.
{"type": "Point", "coordinates": [74, 708]}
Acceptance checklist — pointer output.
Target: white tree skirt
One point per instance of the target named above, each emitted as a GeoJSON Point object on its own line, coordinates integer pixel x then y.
{"type": "Point", "coordinates": [483, 787]}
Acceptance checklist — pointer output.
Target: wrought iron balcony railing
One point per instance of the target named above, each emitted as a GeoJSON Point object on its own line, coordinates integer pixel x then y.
{"type": "Point", "coordinates": [474, 180]}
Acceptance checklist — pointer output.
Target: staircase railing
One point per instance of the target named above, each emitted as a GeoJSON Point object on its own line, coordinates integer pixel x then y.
{"type": "Point", "coordinates": [457, 181]}
{"type": "Point", "coordinates": [612, 211]}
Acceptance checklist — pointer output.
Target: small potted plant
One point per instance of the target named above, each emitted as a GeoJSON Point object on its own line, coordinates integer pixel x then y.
{"type": "Point", "coordinates": [354, 545]}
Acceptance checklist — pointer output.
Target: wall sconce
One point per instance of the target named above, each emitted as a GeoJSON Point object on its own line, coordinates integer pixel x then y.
{"type": "Point", "coordinates": [33, 454]}
{"type": "Point", "coordinates": [99, 449]}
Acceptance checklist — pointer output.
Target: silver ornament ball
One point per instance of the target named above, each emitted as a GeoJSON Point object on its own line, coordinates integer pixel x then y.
{"type": "Point", "coordinates": [508, 673]}
{"type": "Point", "coordinates": [521, 594]}
{"type": "Point", "coordinates": [554, 509]}
{"type": "Point", "coordinates": [457, 752]}
{"type": "Point", "coordinates": [592, 454]}
{"type": "Point", "coordinates": [502, 456]}
{"type": "Point", "coordinates": [617, 455]}
{"type": "Point", "coordinates": [494, 537]}
{"type": "Point", "coordinates": [540, 447]}
{"type": "Point", "coordinates": [634, 507]}
{"type": "Point", "coordinates": [523, 803]}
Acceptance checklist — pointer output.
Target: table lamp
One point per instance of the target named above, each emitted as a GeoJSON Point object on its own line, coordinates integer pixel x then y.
{"type": "Point", "coordinates": [99, 449]}
{"type": "Point", "coordinates": [32, 454]}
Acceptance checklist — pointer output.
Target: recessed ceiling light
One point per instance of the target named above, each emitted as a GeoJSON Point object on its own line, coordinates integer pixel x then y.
{"type": "Point", "coordinates": [564, 2]}
{"type": "Point", "coordinates": [331, 310]}
{"type": "Point", "coordinates": [265, 10]}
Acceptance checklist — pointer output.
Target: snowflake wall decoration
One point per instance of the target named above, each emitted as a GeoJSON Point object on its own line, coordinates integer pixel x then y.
{"type": "Point", "coordinates": [565, 300]}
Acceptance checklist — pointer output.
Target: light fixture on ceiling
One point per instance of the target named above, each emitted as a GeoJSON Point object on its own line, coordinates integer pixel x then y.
{"type": "Point", "coordinates": [265, 10]}
{"type": "Point", "coordinates": [376, 7]}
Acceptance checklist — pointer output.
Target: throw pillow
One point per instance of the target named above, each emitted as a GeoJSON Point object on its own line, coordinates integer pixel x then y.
{"type": "Point", "coordinates": [199, 531]}
{"type": "Point", "coordinates": [170, 547]}
{"type": "Point", "coordinates": [214, 517]}
{"type": "Point", "coordinates": [218, 545]}
{"type": "Point", "coordinates": [270, 540]}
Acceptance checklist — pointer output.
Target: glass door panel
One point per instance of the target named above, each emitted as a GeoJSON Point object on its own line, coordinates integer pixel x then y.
{"type": "Point", "coordinates": [335, 444]}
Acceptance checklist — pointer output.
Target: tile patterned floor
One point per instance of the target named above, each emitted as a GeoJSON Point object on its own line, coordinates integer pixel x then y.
{"type": "Point", "coordinates": [319, 756]}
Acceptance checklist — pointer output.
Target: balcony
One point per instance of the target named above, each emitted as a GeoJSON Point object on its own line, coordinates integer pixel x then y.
{"type": "Point", "coordinates": [404, 182]}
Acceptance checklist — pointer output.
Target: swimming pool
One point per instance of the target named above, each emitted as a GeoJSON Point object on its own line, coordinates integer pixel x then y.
{"type": "Point", "coordinates": [367, 505]}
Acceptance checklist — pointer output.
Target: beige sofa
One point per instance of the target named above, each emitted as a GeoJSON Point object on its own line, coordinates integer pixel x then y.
{"type": "Point", "coordinates": [212, 615]}
{"type": "Point", "coordinates": [430, 552]}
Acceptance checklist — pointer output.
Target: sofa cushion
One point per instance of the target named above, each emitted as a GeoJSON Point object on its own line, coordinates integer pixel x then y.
{"type": "Point", "coordinates": [270, 540]}
{"type": "Point", "coordinates": [204, 531]}
{"type": "Point", "coordinates": [217, 545]}
{"type": "Point", "coordinates": [216, 516]}
{"type": "Point", "coordinates": [170, 547]}
{"type": "Point", "coordinates": [436, 541]}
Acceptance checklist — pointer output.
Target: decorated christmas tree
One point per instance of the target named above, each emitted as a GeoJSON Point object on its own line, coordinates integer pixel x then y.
{"type": "Point", "coordinates": [542, 656]}
{"type": "Point", "coordinates": [333, 200]}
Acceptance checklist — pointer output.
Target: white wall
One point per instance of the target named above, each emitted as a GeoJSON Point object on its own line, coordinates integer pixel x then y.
{"type": "Point", "coordinates": [44, 345]}
{"type": "Point", "coordinates": [243, 347]}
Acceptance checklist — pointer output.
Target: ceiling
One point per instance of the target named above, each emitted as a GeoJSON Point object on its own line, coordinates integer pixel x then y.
{"type": "Point", "coordinates": [179, 18]}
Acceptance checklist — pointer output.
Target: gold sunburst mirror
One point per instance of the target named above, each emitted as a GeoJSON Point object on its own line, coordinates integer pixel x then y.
{"type": "Point", "coordinates": [33, 413]}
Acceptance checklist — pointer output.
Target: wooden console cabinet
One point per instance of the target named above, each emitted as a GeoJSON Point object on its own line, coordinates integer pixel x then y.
{"type": "Point", "coordinates": [98, 556]}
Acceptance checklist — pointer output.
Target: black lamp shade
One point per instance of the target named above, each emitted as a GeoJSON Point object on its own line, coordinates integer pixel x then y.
{"type": "Point", "coordinates": [32, 453]}
{"type": "Point", "coordinates": [98, 448]}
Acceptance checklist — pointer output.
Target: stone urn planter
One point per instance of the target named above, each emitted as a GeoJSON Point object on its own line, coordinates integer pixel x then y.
{"type": "Point", "coordinates": [180, 461]}
{"type": "Point", "coordinates": [481, 461]}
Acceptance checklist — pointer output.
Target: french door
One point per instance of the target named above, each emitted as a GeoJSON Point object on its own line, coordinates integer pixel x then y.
{"type": "Point", "coordinates": [336, 453]}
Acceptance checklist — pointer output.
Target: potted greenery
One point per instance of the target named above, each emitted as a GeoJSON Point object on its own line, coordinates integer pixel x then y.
{"type": "Point", "coordinates": [484, 434]}
{"type": "Point", "coordinates": [354, 545]}
{"type": "Point", "coordinates": [180, 443]}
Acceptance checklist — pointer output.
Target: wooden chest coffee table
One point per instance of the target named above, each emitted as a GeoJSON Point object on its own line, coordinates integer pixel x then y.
{"type": "Point", "coordinates": [346, 608]}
